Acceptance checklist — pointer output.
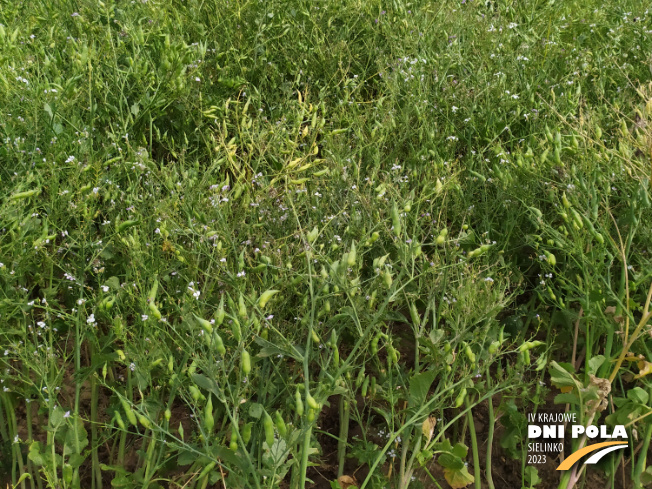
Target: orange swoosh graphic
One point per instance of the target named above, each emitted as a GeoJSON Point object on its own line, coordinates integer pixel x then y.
{"type": "Point", "coordinates": [574, 457]}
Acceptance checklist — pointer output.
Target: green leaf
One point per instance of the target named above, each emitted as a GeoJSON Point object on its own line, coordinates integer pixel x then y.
{"type": "Point", "coordinates": [395, 316]}
{"type": "Point", "coordinates": [48, 110]}
{"type": "Point", "coordinates": [270, 349]}
{"type": "Point", "coordinates": [561, 377]}
{"type": "Point", "coordinates": [443, 446]}
{"type": "Point", "coordinates": [461, 450]}
{"type": "Point", "coordinates": [567, 398]}
{"type": "Point", "coordinates": [207, 384]}
{"type": "Point", "coordinates": [255, 410]}
{"type": "Point", "coordinates": [638, 395]}
{"type": "Point", "coordinates": [56, 417]}
{"type": "Point", "coordinates": [419, 387]}
{"type": "Point", "coordinates": [35, 454]}
{"type": "Point", "coordinates": [595, 363]}
{"type": "Point", "coordinates": [532, 475]}
{"type": "Point", "coordinates": [113, 282]}
{"type": "Point", "coordinates": [186, 457]}
{"type": "Point", "coordinates": [450, 461]}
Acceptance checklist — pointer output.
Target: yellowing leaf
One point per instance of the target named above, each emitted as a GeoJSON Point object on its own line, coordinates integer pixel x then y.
{"type": "Point", "coordinates": [346, 481]}
{"type": "Point", "coordinates": [428, 428]}
{"type": "Point", "coordinates": [458, 478]}
{"type": "Point", "coordinates": [645, 368]}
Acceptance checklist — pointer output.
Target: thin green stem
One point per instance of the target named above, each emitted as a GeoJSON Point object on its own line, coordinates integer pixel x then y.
{"type": "Point", "coordinates": [474, 444]}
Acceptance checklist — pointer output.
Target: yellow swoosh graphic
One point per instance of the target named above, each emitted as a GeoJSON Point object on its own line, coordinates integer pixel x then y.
{"type": "Point", "coordinates": [574, 457]}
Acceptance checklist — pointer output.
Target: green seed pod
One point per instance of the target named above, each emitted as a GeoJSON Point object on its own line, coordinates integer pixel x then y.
{"type": "Point", "coordinates": [470, 355]}
{"type": "Point", "coordinates": [374, 345]}
{"type": "Point", "coordinates": [246, 432]}
{"type": "Point", "coordinates": [268, 426]}
{"type": "Point", "coordinates": [265, 297]}
{"type": "Point", "coordinates": [550, 258]}
{"type": "Point", "coordinates": [414, 314]}
{"type": "Point", "coordinates": [387, 278]}
{"type": "Point", "coordinates": [119, 421]}
{"type": "Point", "coordinates": [280, 424]}
{"type": "Point", "coordinates": [219, 315]}
{"type": "Point", "coordinates": [392, 356]}
{"type": "Point", "coordinates": [219, 344]}
{"type": "Point", "coordinates": [396, 220]}
{"type": "Point", "coordinates": [315, 338]}
{"type": "Point", "coordinates": [312, 403]}
{"type": "Point", "coordinates": [246, 362]}
{"type": "Point", "coordinates": [125, 225]}
{"type": "Point", "coordinates": [170, 364]}
{"type": "Point", "coordinates": [154, 310]}
{"type": "Point", "coordinates": [131, 416]}
{"type": "Point", "coordinates": [206, 470]}
{"type": "Point", "coordinates": [192, 368]}
{"type": "Point", "coordinates": [598, 132]}
{"type": "Point", "coordinates": [206, 325]}
{"type": "Point", "coordinates": [372, 386]}
{"type": "Point", "coordinates": [167, 414]}
{"type": "Point", "coordinates": [352, 255]}
{"type": "Point", "coordinates": [298, 402]}
{"type": "Point", "coordinates": [144, 421]}
{"type": "Point", "coordinates": [565, 201]}
{"type": "Point", "coordinates": [233, 445]}
{"type": "Point", "coordinates": [209, 421]}
{"type": "Point", "coordinates": [333, 340]}
{"type": "Point", "coordinates": [242, 309]}
{"type": "Point", "coordinates": [365, 387]}
{"type": "Point", "coordinates": [374, 238]}
{"type": "Point", "coordinates": [235, 328]}
{"type": "Point", "coordinates": [360, 377]}
{"type": "Point", "coordinates": [459, 400]}
{"type": "Point", "coordinates": [311, 415]}
{"type": "Point", "coordinates": [493, 348]}
{"type": "Point", "coordinates": [577, 218]}
{"type": "Point", "coordinates": [194, 393]}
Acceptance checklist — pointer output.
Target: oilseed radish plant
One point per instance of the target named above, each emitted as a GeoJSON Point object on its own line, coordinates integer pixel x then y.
{"type": "Point", "coordinates": [322, 244]}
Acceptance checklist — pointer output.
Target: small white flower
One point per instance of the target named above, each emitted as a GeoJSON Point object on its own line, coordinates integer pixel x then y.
{"type": "Point", "coordinates": [105, 288]}
{"type": "Point", "coordinates": [144, 317]}
{"type": "Point", "coordinates": [91, 319]}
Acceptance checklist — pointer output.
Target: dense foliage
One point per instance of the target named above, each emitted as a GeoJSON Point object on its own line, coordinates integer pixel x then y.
{"type": "Point", "coordinates": [273, 244]}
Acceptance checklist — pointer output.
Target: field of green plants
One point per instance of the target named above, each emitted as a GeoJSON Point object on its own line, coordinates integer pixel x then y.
{"type": "Point", "coordinates": [350, 244]}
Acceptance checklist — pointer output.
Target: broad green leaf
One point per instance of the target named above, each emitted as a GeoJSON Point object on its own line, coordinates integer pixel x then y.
{"type": "Point", "coordinates": [638, 395]}
{"type": "Point", "coordinates": [419, 387]}
{"type": "Point", "coordinates": [450, 461]}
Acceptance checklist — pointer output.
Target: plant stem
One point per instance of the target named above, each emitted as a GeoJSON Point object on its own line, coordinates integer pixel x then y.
{"type": "Point", "coordinates": [490, 437]}
{"type": "Point", "coordinates": [474, 444]}
{"type": "Point", "coordinates": [344, 434]}
{"type": "Point", "coordinates": [639, 468]}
